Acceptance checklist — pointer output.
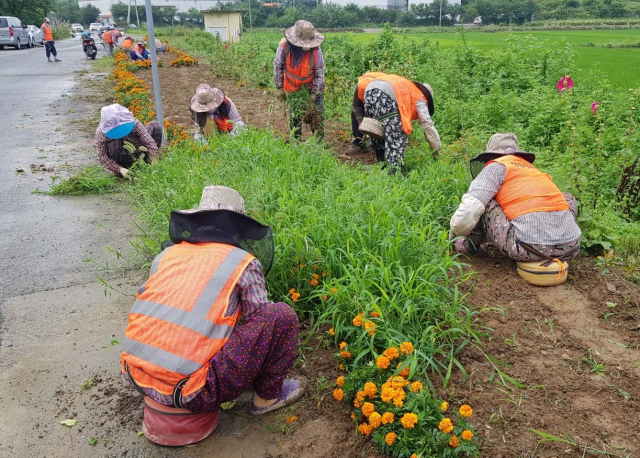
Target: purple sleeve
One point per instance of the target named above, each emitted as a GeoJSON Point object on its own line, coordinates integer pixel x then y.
{"type": "Point", "coordinates": [278, 66]}
{"type": "Point", "coordinates": [318, 73]}
{"type": "Point", "coordinates": [253, 290]}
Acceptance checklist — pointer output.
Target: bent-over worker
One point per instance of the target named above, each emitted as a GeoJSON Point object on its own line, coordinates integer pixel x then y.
{"type": "Point", "coordinates": [117, 126]}
{"type": "Point", "coordinates": [299, 64]}
{"type": "Point", "coordinates": [185, 346]}
{"type": "Point", "coordinates": [395, 102]}
{"type": "Point", "coordinates": [213, 111]}
{"type": "Point", "coordinates": [516, 206]}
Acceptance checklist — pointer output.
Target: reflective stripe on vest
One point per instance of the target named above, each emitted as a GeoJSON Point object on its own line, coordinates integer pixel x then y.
{"type": "Point", "coordinates": [181, 318]}
{"type": "Point", "coordinates": [302, 75]}
{"type": "Point", "coordinates": [526, 189]}
{"type": "Point", "coordinates": [407, 95]}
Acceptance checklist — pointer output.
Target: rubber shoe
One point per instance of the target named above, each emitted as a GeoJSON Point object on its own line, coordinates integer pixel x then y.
{"type": "Point", "coordinates": [49, 59]}
{"type": "Point", "coordinates": [292, 391]}
{"type": "Point", "coordinates": [57, 60]}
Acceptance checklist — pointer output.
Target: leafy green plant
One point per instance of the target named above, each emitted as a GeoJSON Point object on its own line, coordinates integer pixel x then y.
{"type": "Point", "coordinates": [90, 180]}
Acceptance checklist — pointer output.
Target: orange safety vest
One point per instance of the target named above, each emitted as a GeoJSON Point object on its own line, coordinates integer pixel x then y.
{"type": "Point", "coordinates": [181, 316]}
{"type": "Point", "coordinates": [407, 95]}
{"type": "Point", "coordinates": [107, 37]}
{"type": "Point", "coordinates": [526, 189]}
{"type": "Point", "coordinates": [127, 43]}
{"type": "Point", "coordinates": [46, 32]}
{"type": "Point", "coordinates": [302, 75]}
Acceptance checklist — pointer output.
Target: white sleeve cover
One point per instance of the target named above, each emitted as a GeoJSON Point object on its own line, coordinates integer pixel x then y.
{"type": "Point", "coordinates": [467, 215]}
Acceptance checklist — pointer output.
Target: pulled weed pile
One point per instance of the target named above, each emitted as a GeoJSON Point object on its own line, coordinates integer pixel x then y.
{"type": "Point", "coordinates": [91, 180]}
{"type": "Point", "coordinates": [349, 241]}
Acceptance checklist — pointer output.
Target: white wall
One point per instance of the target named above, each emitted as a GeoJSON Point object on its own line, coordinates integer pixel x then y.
{"type": "Point", "coordinates": [381, 4]}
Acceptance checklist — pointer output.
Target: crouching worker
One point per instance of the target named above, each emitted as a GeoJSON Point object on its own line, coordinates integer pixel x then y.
{"type": "Point", "coordinates": [117, 132]}
{"type": "Point", "coordinates": [520, 210]}
{"type": "Point", "coordinates": [384, 107]}
{"type": "Point", "coordinates": [139, 51]}
{"type": "Point", "coordinates": [185, 348]}
{"type": "Point", "coordinates": [213, 112]}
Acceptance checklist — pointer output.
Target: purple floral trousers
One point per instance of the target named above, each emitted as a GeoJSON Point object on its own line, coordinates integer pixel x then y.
{"type": "Point", "coordinates": [258, 355]}
{"type": "Point", "coordinates": [497, 228]}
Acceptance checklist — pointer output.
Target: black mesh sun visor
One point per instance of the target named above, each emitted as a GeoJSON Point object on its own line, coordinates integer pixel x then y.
{"type": "Point", "coordinates": [224, 226]}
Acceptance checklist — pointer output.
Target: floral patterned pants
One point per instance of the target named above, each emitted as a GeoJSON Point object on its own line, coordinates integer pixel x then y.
{"type": "Point", "coordinates": [376, 105]}
{"type": "Point", "coordinates": [258, 355]}
{"type": "Point", "coordinates": [495, 226]}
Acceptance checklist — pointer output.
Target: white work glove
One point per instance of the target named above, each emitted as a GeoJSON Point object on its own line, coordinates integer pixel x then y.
{"type": "Point", "coordinates": [467, 215]}
{"type": "Point", "coordinates": [124, 172]}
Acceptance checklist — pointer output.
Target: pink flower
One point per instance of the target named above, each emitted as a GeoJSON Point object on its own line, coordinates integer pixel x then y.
{"type": "Point", "coordinates": [594, 107]}
{"type": "Point", "coordinates": [564, 84]}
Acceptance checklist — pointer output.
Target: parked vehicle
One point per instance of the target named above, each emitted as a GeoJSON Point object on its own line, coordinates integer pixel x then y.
{"type": "Point", "coordinates": [89, 47]}
{"type": "Point", "coordinates": [13, 33]}
{"type": "Point", "coordinates": [35, 35]}
{"type": "Point", "coordinates": [77, 28]}
{"type": "Point", "coordinates": [95, 26]}
{"type": "Point", "coordinates": [478, 20]}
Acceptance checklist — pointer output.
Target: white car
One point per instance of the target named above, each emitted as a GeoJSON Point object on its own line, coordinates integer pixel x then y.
{"type": "Point", "coordinates": [77, 27]}
{"type": "Point", "coordinates": [478, 20]}
{"type": "Point", "coordinates": [95, 27]}
{"type": "Point", "coordinates": [35, 35]}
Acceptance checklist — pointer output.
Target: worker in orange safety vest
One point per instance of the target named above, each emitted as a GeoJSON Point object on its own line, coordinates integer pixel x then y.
{"type": "Point", "coordinates": [516, 207]}
{"type": "Point", "coordinates": [392, 103]}
{"type": "Point", "coordinates": [49, 43]}
{"type": "Point", "coordinates": [299, 65]}
{"type": "Point", "coordinates": [185, 347]}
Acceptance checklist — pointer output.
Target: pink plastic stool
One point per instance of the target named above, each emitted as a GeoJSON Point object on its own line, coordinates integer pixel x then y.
{"type": "Point", "coordinates": [175, 427]}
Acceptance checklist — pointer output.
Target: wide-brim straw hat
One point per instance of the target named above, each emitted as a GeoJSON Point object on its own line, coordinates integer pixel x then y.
{"type": "Point", "coordinates": [304, 35]}
{"type": "Point", "coordinates": [219, 198]}
{"type": "Point", "coordinates": [372, 127]}
{"type": "Point", "coordinates": [206, 98]}
{"type": "Point", "coordinates": [503, 144]}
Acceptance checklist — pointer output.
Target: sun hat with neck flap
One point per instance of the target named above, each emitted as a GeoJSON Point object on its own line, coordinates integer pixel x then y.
{"type": "Point", "coordinates": [503, 144]}
{"type": "Point", "coordinates": [303, 35]}
{"type": "Point", "coordinates": [116, 121]}
{"type": "Point", "coordinates": [206, 98]}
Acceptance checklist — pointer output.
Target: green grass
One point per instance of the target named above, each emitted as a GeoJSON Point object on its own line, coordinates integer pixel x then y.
{"type": "Point", "coordinates": [91, 180]}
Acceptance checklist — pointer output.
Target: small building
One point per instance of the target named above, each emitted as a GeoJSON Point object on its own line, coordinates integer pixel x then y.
{"type": "Point", "coordinates": [226, 24]}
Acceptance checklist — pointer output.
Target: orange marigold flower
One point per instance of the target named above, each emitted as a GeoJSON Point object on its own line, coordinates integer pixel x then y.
{"type": "Point", "coordinates": [352, 415]}
{"type": "Point", "coordinates": [341, 367]}
{"type": "Point", "coordinates": [360, 395]}
{"type": "Point", "coordinates": [368, 409]}
{"type": "Point", "coordinates": [333, 290]}
{"type": "Point", "coordinates": [375, 420]}
{"type": "Point", "coordinates": [365, 429]}
{"type": "Point", "coordinates": [445, 425]}
{"type": "Point", "coordinates": [369, 325]}
{"type": "Point", "coordinates": [345, 354]}
{"type": "Point", "coordinates": [398, 398]}
{"type": "Point", "coordinates": [382, 362]}
{"type": "Point", "coordinates": [338, 394]}
{"type": "Point", "coordinates": [387, 394]}
{"type": "Point", "coordinates": [332, 331]}
{"type": "Point", "coordinates": [340, 381]}
{"type": "Point", "coordinates": [391, 353]}
{"type": "Point", "coordinates": [387, 418]}
{"type": "Point", "coordinates": [313, 282]}
{"type": "Point", "coordinates": [453, 441]}
{"type": "Point", "coordinates": [406, 348]}
{"type": "Point", "coordinates": [390, 438]}
{"type": "Point", "coordinates": [291, 419]}
{"type": "Point", "coordinates": [398, 382]}
{"type": "Point", "coordinates": [295, 297]}
{"type": "Point", "coordinates": [409, 420]}
{"type": "Point", "coordinates": [467, 435]}
{"type": "Point", "coordinates": [357, 404]}
{"type": "Point", "coordinates": [343, 345]}
{"type": "Point", "coordinates": [375, 314]}
{"type": "Point", "coordinates": [357, 321]}
{"type": "Point", "coordinates": [466, 410]}
{"type": "Point", "coordinates": [416, 386]}
{"type": "Point", "coordinates": [324, 297]}
{"type": "Point", "coordinates": [404, 372]}
{"type": "Point", "coordinates": [413, 456]}
{"type": "Point", "coordinates": [370, 389]}
{"type": "Point", "coordinates": [444, 406]}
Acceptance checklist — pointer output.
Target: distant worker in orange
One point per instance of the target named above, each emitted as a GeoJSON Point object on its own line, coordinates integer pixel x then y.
{"type": "Point", "coordinates": [516, 207]}
{"type": "Point", "coordinates": [384, 107]}
{"type": "Point", "coordinates": [299, 64]}
{"type": "Point", "coordinates": [202, 330]}
{"type": "Point", "coordinates": [139, 51]}
{"type": "Point", "coordinates": [49, 43]}
{"type": "Point", "coordinates": [127, 44]}
{"type": "Point", "coordinates": [110, 37]}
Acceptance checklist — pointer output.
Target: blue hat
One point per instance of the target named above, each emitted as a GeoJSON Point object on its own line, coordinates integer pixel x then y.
{"type": "Point", "coordinates": [121, 131]}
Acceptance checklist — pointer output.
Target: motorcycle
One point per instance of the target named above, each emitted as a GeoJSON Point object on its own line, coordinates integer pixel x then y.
{"type": "Point", "coordinates": [89, 47]}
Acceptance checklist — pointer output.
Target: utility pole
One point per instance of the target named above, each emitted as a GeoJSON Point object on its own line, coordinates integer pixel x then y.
{"type": "Point", "coordinates": [250, 21]}
{"type": "Point", "coordinates": [129, 14]}
{"type": "Point", "coordinates": [135, 3]}
{"type": "Point", "coordinates": [440, 13]}
{"type": "Point", "coordinates": [154, 66]}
